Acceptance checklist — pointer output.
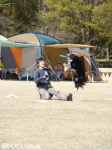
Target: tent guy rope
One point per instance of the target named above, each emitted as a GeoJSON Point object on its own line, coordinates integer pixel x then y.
{"type": "Point", "coordinates": [49, 64]}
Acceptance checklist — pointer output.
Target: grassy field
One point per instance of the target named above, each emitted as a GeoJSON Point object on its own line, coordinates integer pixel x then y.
{"type": "Point", "coordinates": [84, 124]}
{"type": "Point", "coordinates": [103, 60]}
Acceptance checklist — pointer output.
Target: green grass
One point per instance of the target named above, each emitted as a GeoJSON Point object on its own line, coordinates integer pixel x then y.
{"type": "Point", "coordinates": [103, 60]}
{"type": "Point", "coordinates": [84, 124]}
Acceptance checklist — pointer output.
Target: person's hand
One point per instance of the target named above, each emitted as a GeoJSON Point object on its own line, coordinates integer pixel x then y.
{"type": "Point", "coordinates": [43, 77]}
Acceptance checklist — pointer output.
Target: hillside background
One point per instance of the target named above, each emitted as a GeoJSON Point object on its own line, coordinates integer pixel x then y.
{"type": "Point", "coordinates": [72, 21]}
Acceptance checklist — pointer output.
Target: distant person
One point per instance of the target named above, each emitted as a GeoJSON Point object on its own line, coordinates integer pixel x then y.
{"type": "Point", "coordinates": [58, 70]}
{"type": "Point", "coordinates": [43, 84]}
{"type": "Point", "coordinates": [1, 69]}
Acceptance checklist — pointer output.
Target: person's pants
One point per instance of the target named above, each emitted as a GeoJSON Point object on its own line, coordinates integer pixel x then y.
{"type": "Point", "coordinates": [44, 91]}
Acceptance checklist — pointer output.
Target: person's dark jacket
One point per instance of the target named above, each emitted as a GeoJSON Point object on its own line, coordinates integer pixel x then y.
{"type": "Point", "coordinates": [41, 77]}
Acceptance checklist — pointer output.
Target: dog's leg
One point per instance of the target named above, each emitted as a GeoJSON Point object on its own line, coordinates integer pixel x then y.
{"type": "Point", "coordinates": [76, 82]}
{"type": "Point", "coordinates": [66, 67]}
{"type": "Point", "coordinates": [75, 89]}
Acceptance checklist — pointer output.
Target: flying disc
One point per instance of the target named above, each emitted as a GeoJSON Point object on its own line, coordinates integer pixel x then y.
{"type": "Point", "coordinates": [12, 96]}
{"type": "Point", "coordinates": [63, 56]}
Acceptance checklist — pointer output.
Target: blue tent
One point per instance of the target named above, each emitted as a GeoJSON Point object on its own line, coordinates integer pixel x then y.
{"type": "Point", "coordinates": [35, 38]}
{"type": "Point", "coordinates": [26, 57]}
{"type": "Point", "coordinates": [46, 46]}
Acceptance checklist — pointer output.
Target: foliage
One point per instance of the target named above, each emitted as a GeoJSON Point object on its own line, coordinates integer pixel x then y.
{"type": "Point", "coordinates": [72, 21]}
{"type": "Point", "coordinates": [7, 1]}
{"type": "Point", "coordinates": [103, 19]}
{"type": "Point", "coordinates": [89, 20]}
{"type": "Point", "coordinates": [23, 14]}
{"type": "Point", "coordinates": [76, 16]}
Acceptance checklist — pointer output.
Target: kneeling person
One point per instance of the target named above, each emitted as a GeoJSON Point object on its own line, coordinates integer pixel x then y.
{"type": "Point", "coordinates": [43, 84]}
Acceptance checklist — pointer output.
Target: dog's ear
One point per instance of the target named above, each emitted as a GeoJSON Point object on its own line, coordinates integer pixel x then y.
{"type": "Point", "coordinates": [72, 56]}
{"type": "Point", "coordinates": [68, 55]}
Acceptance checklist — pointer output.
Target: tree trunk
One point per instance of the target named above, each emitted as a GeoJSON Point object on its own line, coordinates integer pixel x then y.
{"type": "Point", "coordinates": [108, 51]}
{"type": "Point", "coordinates": [83, 36]}
{"type": "Point", "coordinates": [108, 58]}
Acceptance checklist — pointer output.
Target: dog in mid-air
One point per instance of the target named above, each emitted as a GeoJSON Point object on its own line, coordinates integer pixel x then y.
{"type": "Point", "coordinates": [75, 64]}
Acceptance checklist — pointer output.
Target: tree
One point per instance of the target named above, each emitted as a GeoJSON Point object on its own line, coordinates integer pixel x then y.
{"type": "Point", "coordinates": [22, 14]}
{"type": "Point", "coordinates": [88, 21]}
{"type": "Point", "coordinates": [103, 19]}
{"type": "Point", "coordinates": [76, 16]}
{"type": "Point", "coordinates": [6, 23]}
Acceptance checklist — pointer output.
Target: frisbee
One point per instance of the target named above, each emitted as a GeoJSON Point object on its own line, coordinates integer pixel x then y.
{"type": "Point", "coordinates": [63, 56]}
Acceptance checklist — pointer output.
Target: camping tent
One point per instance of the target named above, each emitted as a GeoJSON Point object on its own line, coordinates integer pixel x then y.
{"type": "Point", "coordinates": [47, 47]}
{"type": "Point", "coordinates": [14, 57]}
{"type": "Point", "coordinates": [53, 51]}
{"type": "Point", "coordinates": [89, 63]}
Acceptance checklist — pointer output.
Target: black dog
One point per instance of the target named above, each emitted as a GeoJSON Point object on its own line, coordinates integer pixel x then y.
{"type": "Point", "coordinates": [75, 63]}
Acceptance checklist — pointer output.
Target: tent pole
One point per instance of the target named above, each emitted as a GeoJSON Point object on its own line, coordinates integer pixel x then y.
{"type": "Point", "coordinates": [30, 67]}
{"type": "Point", "coordinates": [90, 66]}
{"type": "Point", "coordinates": [69, 49]}
{"type": "Point", "coordinates": [95, 67]}
{"type": "Point", "coordinates": [0, 49]}
{"type": "Point", "coordinates": [71, 70]}
{"type": "Point", "coordinates": [49, 65]}
{"type": "Point", "coordinates": [92, 77]}
{"type": "Point", "coordinates": [27, 76]}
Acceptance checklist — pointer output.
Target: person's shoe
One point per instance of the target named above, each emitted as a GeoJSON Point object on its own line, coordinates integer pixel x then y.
{"type": "Point", "coordinates": [40, 96]}
{"type": "Point", "coordinates": [69, 97]}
